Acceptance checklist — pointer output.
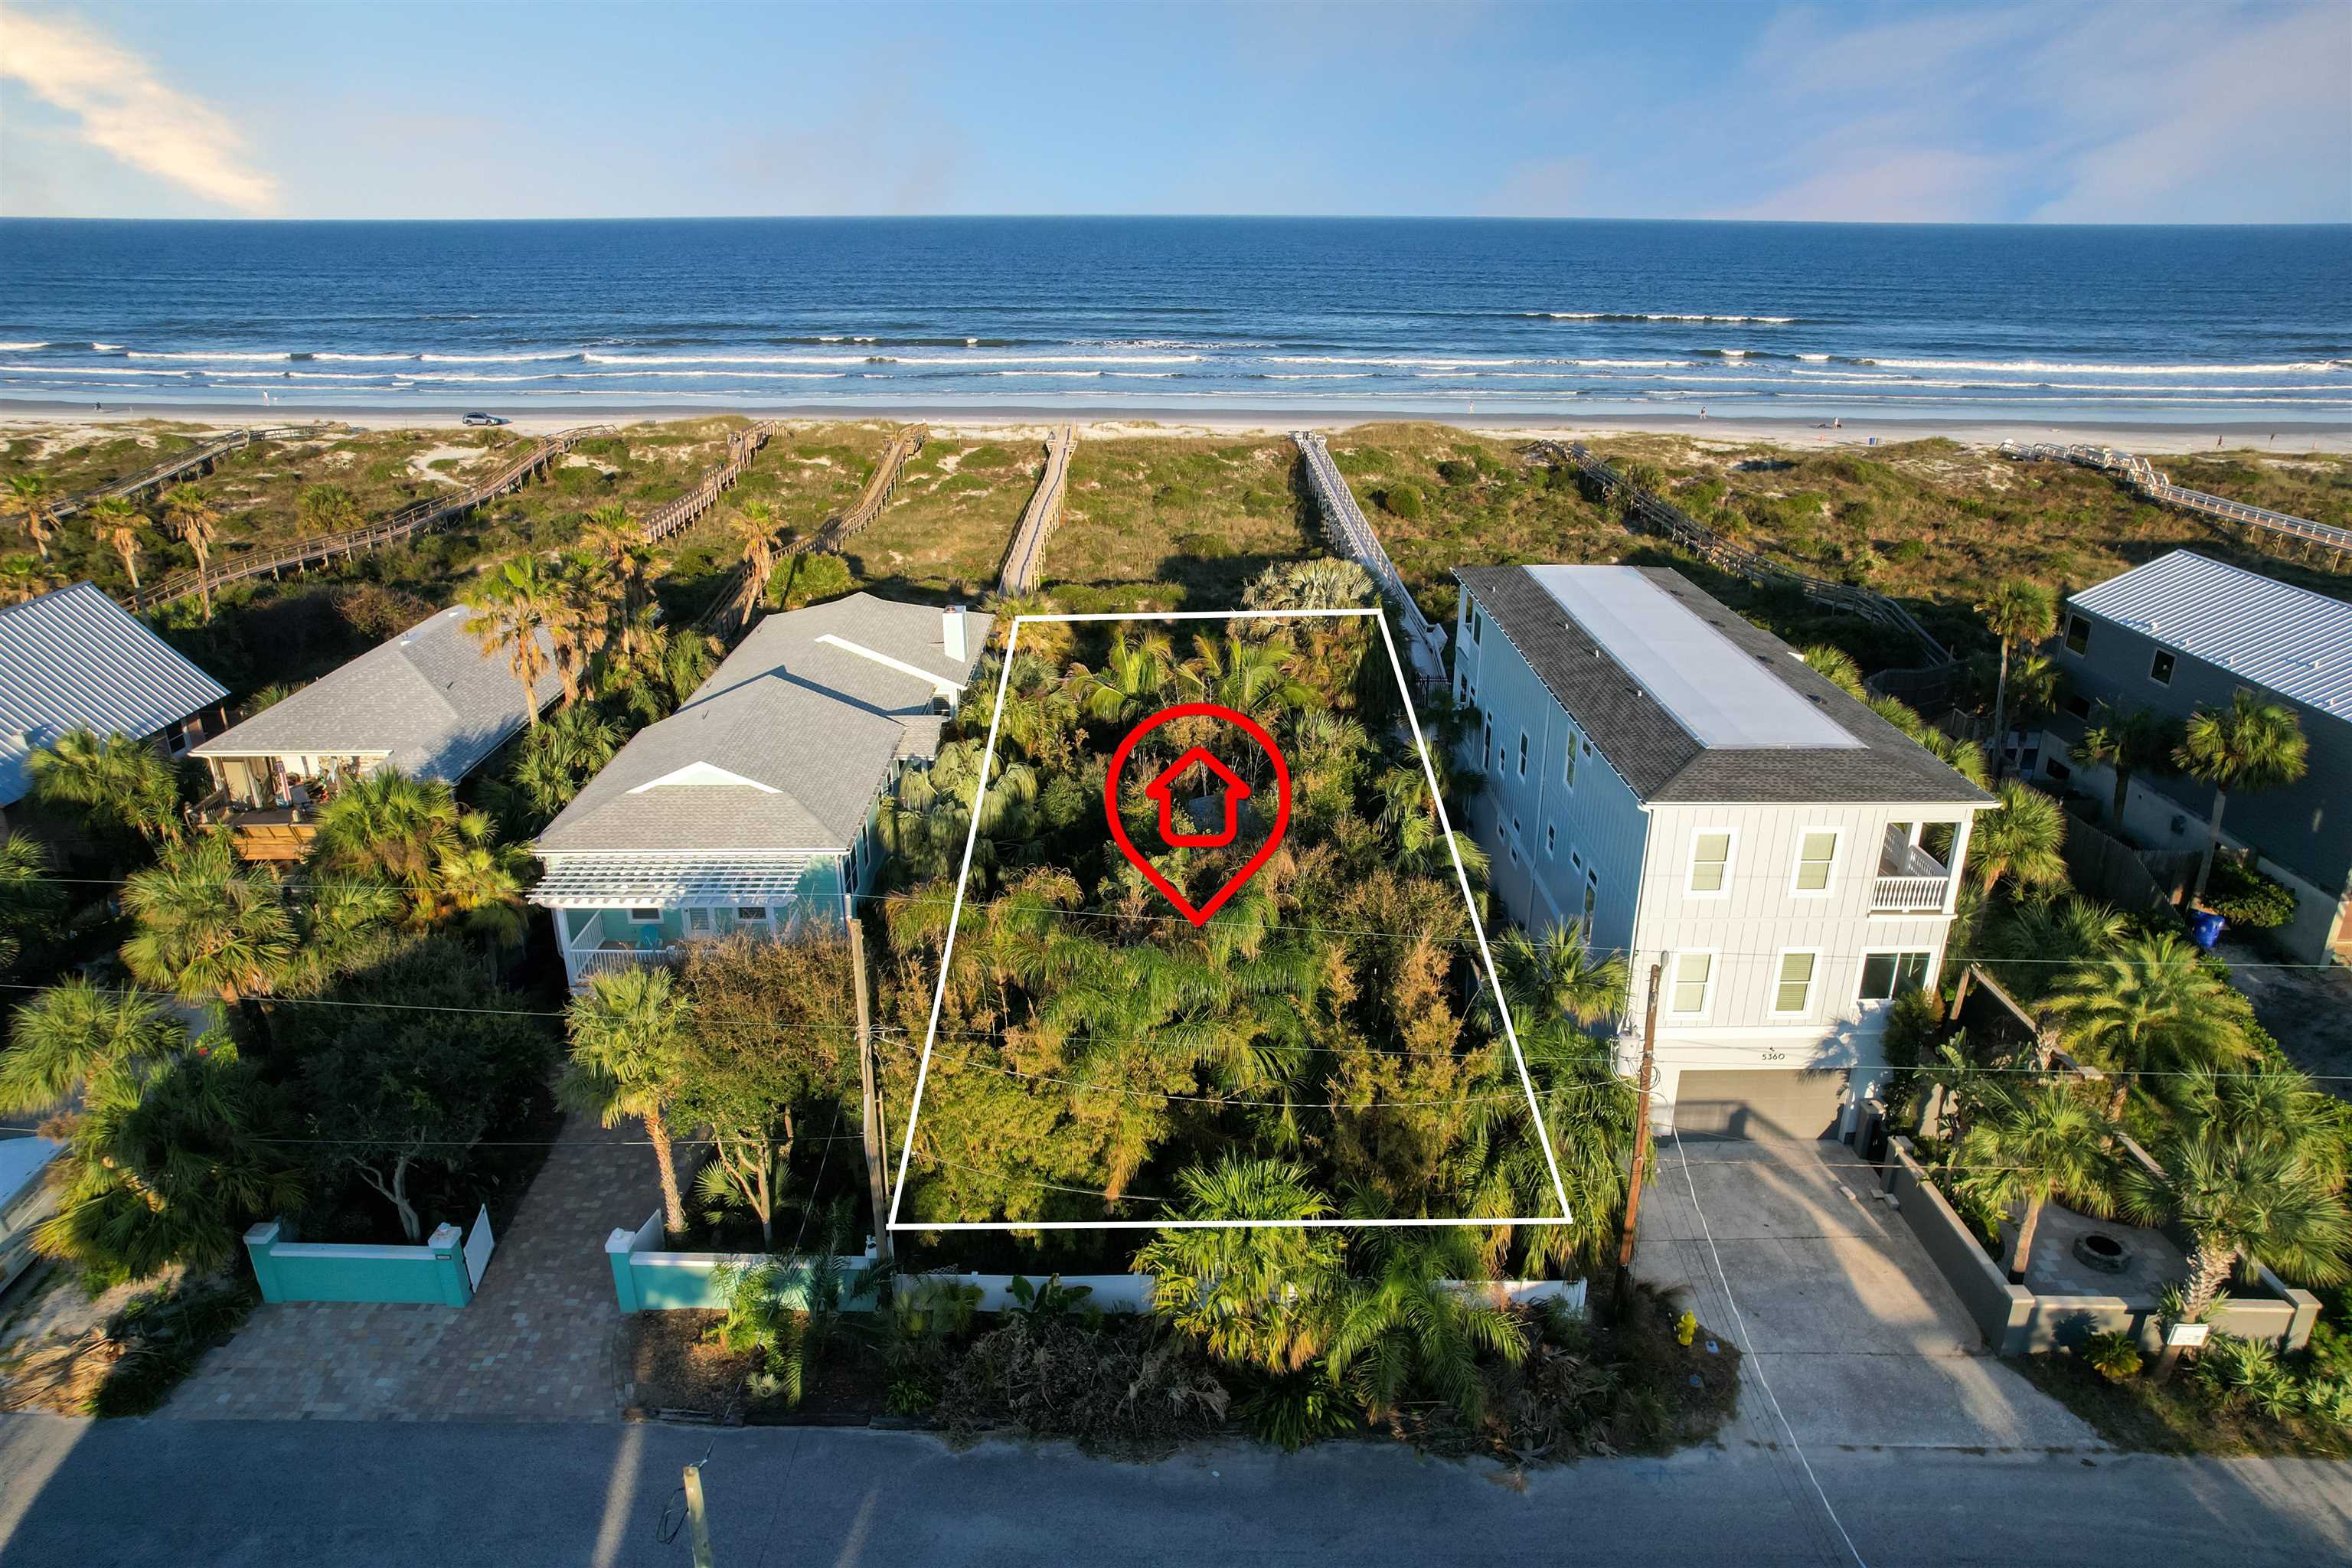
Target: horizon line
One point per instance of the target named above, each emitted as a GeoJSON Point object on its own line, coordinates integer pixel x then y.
{"type": "Point", "coordinates": [1182, 218]}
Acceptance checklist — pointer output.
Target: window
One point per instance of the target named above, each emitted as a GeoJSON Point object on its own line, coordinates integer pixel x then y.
{"type": "Point", "coordinates": [645, 917]}
{"type": "Point", "coordinates": [1522, 753]}
{"type": "Point", "coordinates": [1471, 615]}
{"type": "Point", "coordinates": [2159, 669]}
{"type": "Point", "coordinates": [1515, 830]}
{"type": "Point", "coordinates": [1817, 850]}
{"type": "Point", "coordinates": [2078, 635]}
{"type": "Point", "coordinates": [1487, 747]}
{"type": "Point", "coordinates": [1693, 978]}
{"type": "Point", "coordinates": [2078, 705]}
{"type": "Point", "coordinates": [698, 922]}
{"type": "Point", "coordinates": [1792, 988]}
{"type": "Point", "coordinates": [752, 912]}
{"type": "Point", "coordinates": [1710, 866]}
{"type": "Point", "coordinates": [1591, 893]}
{"type": "Point", "coordinates": [1568, 768]}
{"type": "Point", "coordinates": [2057, 770]}
{"type": "Point", "coordinates": [1886, 976]}
{"type": "Point", "coordinates": [1551, 838]}
{"type": "Point", "coordinates": [1462, 687]}
{"type": "Point", "coordinates": [1576, 858]}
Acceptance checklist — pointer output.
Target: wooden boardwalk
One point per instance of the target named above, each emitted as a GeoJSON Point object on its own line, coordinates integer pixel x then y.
{"type": "Point", "coordinates": [1348, 533]}
{"type": "Point", "coordinates": [198, 459]}
{"type": "Point", "coordinates": [742, 446]}
{"type": "Point", "coordinates": [1663, 517]}
{"type": "Point", "coordinates": [2152, 482]}
{"type": "Point", "coordinates": [1026, 555]}
{"type": "Point", "coordinates": [418, 517]}
{"type": "Point", "coordinates": [903, 447]}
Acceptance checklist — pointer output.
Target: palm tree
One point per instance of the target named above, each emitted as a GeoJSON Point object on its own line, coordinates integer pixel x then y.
{"type": "Point", "coordinates": [628, 1047]}
{"type": "Point", "coordinates": [1324, 583]}
{"type": "Point", "coordinates": [484, 881]}
{"type": "Point", "coordinates": [2251, 744]}
{"type": "Point", "coordinates": [2245, 1194]}
{"type": "Point", "coordinates": [2020, 613]}
{"type": "Point", "coordinates": [31, 896]}
{"type": "Point", "coordinates": [2151, 1002]}
{"type": "Point", "coordinates": [207, 925]}
{"type": "Point", "coordinates": [1134, 676]}
{"type": "Point", "coordinates": [328, 508]}
{"type": "Point", "coordinates": [28, 501]}
{"type": "Point", "coordinates": [113, 780]}
{"type": "Point", "coordinates": [753, 526]}
{"type": "Point", "coordinates": [2029, 940]}
{"type": "Point", "coordinates": [116, 523]}
{"type": "Point", "coordinates": [2021, 838]}
{"type": "Point", "coordinates": [1259, 1298]}
{"type": "Point", "coordinates": [1407, 1329]}
{"type": "Point", "coordinates": [73, 1031]}
{"type": "Point", "coordinates": [388, 826]}
{"type": "Point", "coordinates": [1557, 976]}
{"type": "Point", "coordinates": [189, 509]}
{"type": "Point", "coordinates": [2033, 1144]}
{"type": "Point", "coordinates": [2130, 742]}
{"type": "Point", "coordinates": [516, 605]}
{"type": "Point", "coordinates": [1837, 666]}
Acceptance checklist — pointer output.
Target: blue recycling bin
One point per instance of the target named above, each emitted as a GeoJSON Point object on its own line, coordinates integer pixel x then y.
{"type": "Point", "coordinates": [2205, 929]}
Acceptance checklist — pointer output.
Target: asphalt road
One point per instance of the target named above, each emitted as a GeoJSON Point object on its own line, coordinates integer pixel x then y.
{"type": "Point", "coordinates": [277, 1493]}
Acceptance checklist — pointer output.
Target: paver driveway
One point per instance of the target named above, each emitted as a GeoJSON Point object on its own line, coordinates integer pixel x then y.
{"type": "Point", "coordinates": [536, 1343]}
{"type": "Point", "coordinates": [1845, 1315]}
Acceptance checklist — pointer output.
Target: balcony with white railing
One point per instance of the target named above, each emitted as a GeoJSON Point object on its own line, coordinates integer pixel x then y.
{"type": "Point", "coordinates": [1910, 880]}
{"type": "Point", "coordinates": [589, 962]}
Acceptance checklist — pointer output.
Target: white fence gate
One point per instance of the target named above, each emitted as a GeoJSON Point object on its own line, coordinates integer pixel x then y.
{"type": "Point", "coordinates": [480, 1244]}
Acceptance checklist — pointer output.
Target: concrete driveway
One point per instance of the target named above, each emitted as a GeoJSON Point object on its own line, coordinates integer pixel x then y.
{"type": "Point", "coordinates": [1847, 1323]}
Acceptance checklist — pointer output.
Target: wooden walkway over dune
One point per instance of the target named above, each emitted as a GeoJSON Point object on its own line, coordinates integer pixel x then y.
{"type": "Point", "coordinates": [199, 459]}
{"type": "Point", "coordinates": [1663, 517]}
{"type": "Point", "coordinates": [742, 446]}
{"type": "Point", "coordinates": [1348, 533]}
{"type": "Point", "coordinates": [418, 517]}
{"type": "Point", "coordinates": [2332, 546]}
{"type": "Point", "coordinates": [1026, 555]}
{"type": "Point", "coordinates": [903, 447]}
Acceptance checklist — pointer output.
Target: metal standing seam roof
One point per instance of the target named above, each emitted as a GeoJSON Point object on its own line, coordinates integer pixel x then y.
{"type": "Point", "coordinates": [430, 700]}
{"type": "Point", "coordinates": [1658, 755]}
{"type": "Point", "coordinates": [2288, 639]}
{"type": "Point", "coordinates": [75, 658]}
{"type": "Point", "coordinates": [784, 748]}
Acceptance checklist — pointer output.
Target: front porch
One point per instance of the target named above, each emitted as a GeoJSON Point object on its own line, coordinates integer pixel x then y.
{"type": "Point", "coordinates": [601, 941]}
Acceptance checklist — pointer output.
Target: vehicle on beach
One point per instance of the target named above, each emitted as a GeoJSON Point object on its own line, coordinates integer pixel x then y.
{"type": "Point", "coordinates": [478, 419]}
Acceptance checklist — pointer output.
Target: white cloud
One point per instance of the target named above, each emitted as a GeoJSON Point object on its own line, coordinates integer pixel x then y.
{"type": "Point", "coordinates": [121, 108]}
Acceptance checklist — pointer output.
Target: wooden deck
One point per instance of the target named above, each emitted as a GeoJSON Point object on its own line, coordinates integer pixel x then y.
{"type": "Point", "coordinates": [276, 835]}
{"type": "Point", "coordinates": [870, 501]}
{"type": "Point", "coordinates": [1024, 559]}
{"type": "Point", "coordinates": [2322, 543]}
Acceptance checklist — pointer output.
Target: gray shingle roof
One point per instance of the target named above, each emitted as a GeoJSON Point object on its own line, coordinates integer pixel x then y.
{"type": "Point", "coordinates": [76, 658]}
{"type": "Point", "coordinates": [810, 729]}
{"type": "Point", "coordinates": [1660, 759]}
{"type": "Point", "coordinates": [430, 699]}
{"type": "Point", "coordinates": [2296, 642]}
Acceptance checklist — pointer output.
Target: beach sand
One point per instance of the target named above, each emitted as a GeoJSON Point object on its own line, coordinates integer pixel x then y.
{"type": "Point", "coordinates": [62, 420]}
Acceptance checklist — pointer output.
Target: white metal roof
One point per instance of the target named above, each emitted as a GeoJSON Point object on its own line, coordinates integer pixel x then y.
{"type": "Point", "coordinates": [76, 658]}
{"type": "Point", "coordinates": [2295, 642]}
{"type": "Point", "coordinates": [1722, 697]}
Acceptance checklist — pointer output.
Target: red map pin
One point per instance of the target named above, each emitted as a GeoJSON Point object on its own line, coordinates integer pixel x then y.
{"type": "Point", "coordinates": [1162, 790]}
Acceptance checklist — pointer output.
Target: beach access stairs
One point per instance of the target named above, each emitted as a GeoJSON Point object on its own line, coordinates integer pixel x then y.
{"type": "Point", "coordinates": [1348, 533]}
{"type": "Point", "coordinates": [1025, 558]}
{"type": "Point", "coordinates": [196, 460]}
{"type": "Point", "coordinates": [419, 517]}
{"type": "Point", "coordinates": [742, 446]}
{"type": "Point", "coordinates": [904, 445]}
{"type": "Point", "coordinates": [1662, 517]}
{"type": "Point", "coordinates": [2332, 546]}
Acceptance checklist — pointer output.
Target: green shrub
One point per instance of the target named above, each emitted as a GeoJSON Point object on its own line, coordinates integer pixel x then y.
{"type": "Point", "coordinates": [2244, 897]}
{"type": "Point", "coordinates": [2113, 1355]}
{"type": "Point", "coordinates": [1455, 472]}
{"type": "Point", "coordinates": [1907, 551]}
{"type": "Point", "coordinates": [1294, 1411]}
{"type": "Point", "coordinates": [1402, 501]}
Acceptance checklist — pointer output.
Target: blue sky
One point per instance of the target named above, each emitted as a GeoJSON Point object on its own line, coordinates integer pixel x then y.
{"type": "Point", "coordinates": [2046, 112]}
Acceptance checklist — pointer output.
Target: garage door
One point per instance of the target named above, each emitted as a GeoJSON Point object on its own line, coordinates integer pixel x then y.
{"type": "Point", "coordinates": [1783, 1104]}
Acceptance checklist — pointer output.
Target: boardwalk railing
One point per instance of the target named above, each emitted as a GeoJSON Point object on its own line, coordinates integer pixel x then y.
{"type": "Point", "coordinates": [196, 458]}
{"type": "Point", "coordinates": [1666, 517]}
{"type": "Point", "coordinates": [418, 517]}
{"type": "Point", "coordinates": [2152, 482]}
{"type": "Point", "coordinates": [1027, 552]}
{"type": "Point", "coordinates": [903, 446]}
{"type": "Point", "coordinates": [1344, 526]}
{"type": "Point", "coordinates": [742, 446]}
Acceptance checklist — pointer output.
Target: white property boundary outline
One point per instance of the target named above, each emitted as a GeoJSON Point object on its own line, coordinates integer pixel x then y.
{"type": "Point", "coordinates": [1462, 876]}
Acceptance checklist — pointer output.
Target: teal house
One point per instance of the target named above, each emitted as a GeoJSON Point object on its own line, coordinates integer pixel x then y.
{"type": "Point", "coordinates": [753, 807]}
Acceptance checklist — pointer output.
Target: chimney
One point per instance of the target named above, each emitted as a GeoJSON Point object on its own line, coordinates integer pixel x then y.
{"type": "Point", "coordinates": [952, 632]}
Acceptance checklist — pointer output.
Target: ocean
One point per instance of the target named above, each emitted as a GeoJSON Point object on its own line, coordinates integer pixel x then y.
{"type": "Point", "coordinates": [2251, 326]}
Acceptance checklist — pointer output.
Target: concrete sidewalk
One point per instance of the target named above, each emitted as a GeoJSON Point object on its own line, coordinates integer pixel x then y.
{"type": "Point", "coordinates": [1848, 1323]}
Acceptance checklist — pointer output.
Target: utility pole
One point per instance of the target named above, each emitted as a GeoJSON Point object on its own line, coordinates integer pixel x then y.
{"type": "Point", "coordinates": [697, 1521]}
{"type": "Point", "coordinates": [1641, 1143]}
{"type": "Point", "coordinates": [870, 1099]}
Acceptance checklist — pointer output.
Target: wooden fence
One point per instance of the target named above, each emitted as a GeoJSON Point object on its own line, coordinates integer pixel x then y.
{"type": "Point", "coordinates": [2142, 881]}
{"type": "Point", "coordinates": [418, 517]}
{"type": "Point", "coordinates": [1026, 555]}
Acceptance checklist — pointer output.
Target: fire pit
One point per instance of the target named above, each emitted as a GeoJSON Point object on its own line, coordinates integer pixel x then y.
{"type": "Point", "coordinates": [2105, 1253]}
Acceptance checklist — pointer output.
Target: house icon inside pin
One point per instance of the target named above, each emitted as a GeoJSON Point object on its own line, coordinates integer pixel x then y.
{"type": "Point", "coordinates": [1228, 783]}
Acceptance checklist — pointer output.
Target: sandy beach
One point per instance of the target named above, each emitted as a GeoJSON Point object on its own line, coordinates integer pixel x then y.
{"type": "Point", "coordinates": [2286, 436]}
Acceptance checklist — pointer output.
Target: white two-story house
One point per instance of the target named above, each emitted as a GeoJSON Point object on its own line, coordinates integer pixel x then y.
{"type": "Point", "coordinates": [1681, 780]}
{"type": "Point", "coordinates": [753, 808]}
